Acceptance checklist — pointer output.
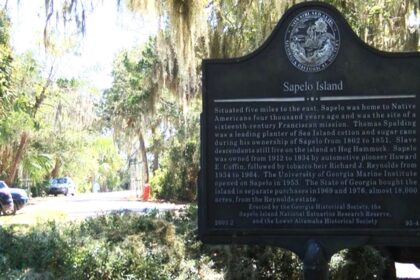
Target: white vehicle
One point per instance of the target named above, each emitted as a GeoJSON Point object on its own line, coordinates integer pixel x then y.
{"type": "Point", "coordinates": [62, 185]}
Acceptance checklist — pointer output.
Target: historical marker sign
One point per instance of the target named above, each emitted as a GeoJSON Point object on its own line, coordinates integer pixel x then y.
{"type": "Point", "coordinates": [312, 136]}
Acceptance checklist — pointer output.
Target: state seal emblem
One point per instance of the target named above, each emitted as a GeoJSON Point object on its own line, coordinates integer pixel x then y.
{"type": "Point", "coordinates": [312, 41]}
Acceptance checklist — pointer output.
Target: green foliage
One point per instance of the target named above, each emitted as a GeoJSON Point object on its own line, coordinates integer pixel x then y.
{"type": "Point", "coordinates": [39, 188]}
{"type": "Point", "coordinates": [178, 180]}
{"type": "Point", "coordinates": [358, 263]}
{"type": "Point", "coordinates": [12, 125]}
{"type": "Point", "coordinates": [46, 125]}
{"type": "Point", "coordinates": [128, 106]}
{"type": "Point", "coordinates": [117, 246]}
{"type": "Point", "coordinates": [109, 162]}
{"type": "Point", "coordinates": [41, 248]}
{"type": "Point", "coordinates": [131, 94]}
{"type": "Point", "coordinates": [177, 177]}
{"type": "Point", "coordinates": [5, 62]}
{"type": "Point", "coordinates": [126, 245]}
{"type": "Point", "coordinates": [37, 164]}
{"type": "Point", "coordinates": [381, 24]}
{"type": "Point", "coordinates": [256, 262]}
{"type": "Point", "coordinates": [90, 158]}
{"type": "Point", "coordinates": [4, 28]}
{"type": "Point", "coordinates": [238, 261]}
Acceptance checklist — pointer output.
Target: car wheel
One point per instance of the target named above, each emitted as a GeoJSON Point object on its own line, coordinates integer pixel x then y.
{"type": "Point", "coordinates": [14, 209]}
{"type": "Point", "coordinates": [55, 194]}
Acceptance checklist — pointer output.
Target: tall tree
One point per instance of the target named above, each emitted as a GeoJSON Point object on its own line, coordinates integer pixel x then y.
{"type": "Point", "coordinates": [14, 121]}
{"type": "Point", "coordinates": [5, 64]}
{"type": "Point", "coordinates": [128, 106]}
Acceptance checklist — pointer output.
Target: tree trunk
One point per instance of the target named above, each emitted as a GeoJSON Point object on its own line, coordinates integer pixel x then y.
{"type": "Point", "coordinates": [5, 158]}
{"type": "Point", "coordinates": [56, 171]}
{"type": "Point", "coordinates": [24, 137]}
{"type": "Point", "coordinates": [156, 148]}
{"type": "Point", "coordinates": [143, 154]}
{"type": "Point", "coordinates": [155, 161]}
{"type": "Point", "coordinates": [39, 99]}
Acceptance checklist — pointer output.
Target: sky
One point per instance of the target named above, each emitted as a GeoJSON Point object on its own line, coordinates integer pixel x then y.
{"type": "Point", "coordinates": [109, 29]}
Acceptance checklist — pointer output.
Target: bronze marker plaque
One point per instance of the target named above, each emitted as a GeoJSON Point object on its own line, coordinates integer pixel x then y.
{"type": "Point", "coordinates": [312, 136]}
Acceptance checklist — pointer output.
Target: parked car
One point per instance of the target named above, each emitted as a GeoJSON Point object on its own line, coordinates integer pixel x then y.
{"type": "Point", "coordinates": [20, 198]}
{"type": "Point", "coordinates": [6, 200]}
{"type": "Point", "coordinates": [62, 185]}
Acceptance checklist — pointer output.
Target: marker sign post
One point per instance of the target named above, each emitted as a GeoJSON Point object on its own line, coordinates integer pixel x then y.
{"type": "Point", "coordinates": [311, 142]}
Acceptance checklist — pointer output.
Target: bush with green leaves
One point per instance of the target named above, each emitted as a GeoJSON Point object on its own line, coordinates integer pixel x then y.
{"type": "Point", "coordinates": [176, 179]}
{"type": "Point", "coordinates": [121, 245]}
{"type": "Point", "coordinates": [126, 245]}
{"type": "Point", "coordinates": [360, 263]}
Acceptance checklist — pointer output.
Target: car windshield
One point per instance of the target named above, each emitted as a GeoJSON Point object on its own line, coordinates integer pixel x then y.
{"type": "Point", "coordinates": [60, 181]}
{"type": "Point", "coordinates": [2, 185]}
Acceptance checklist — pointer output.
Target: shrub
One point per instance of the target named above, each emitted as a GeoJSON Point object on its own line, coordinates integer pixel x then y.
{"type": "Point", "coordinates": [121, 245]}
{"type": "Point", "coordinates": [126, 245]}
{"type": "Point", "coordinates": [358, 263]}
{"type": "Point", "coordinates": [176, 180]}
{"type": "Point", "coordinates": [40, 249]}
